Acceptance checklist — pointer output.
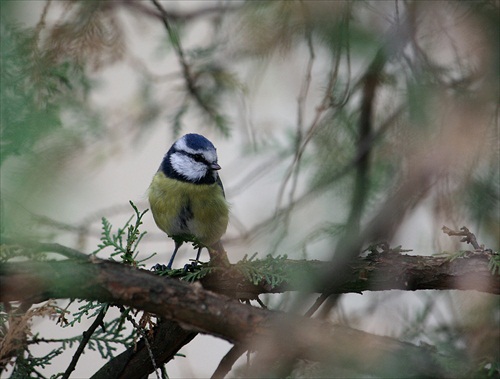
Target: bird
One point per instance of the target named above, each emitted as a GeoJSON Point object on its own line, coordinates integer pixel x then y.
{"type": "Point", "coordinates": [186, 195]}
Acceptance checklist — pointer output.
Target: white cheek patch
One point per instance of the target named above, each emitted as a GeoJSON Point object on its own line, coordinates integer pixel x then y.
{"type": "Point", "coordinates": [187, 167]}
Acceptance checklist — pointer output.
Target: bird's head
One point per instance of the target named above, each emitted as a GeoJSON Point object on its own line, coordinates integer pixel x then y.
{"type": "Point", "coordinates": [192, 158]}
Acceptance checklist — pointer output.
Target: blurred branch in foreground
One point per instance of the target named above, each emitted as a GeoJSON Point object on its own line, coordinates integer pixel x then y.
{"type": "Point", "coordinates": [379, 271]}
{"type": "Point", "coordinates": [199, 310]}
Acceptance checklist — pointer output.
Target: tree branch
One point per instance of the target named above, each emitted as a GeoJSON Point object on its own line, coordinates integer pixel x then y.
{"type": "Point", "coordinates": [199, 310]}
{"type": "Point", "coordinates": [376, 272]}
{"type": "Point", "coordinates": [228, 361]}
{"type": "Point", "coordinates": [188, 309]}
{"type": "Point", "coordinates": [85, 340]}
{"type": "Point", "coordinates": [43, 247]}
{"type": "Point", "coordinates": [135, 362]}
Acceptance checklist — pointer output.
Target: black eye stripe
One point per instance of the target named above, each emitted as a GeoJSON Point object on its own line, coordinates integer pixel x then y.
{"type": "Point", "coordinates": [198, 157]}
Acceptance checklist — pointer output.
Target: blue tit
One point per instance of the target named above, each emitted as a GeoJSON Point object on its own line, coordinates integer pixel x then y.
{"type": "Point", "coordinates": [187, 197]}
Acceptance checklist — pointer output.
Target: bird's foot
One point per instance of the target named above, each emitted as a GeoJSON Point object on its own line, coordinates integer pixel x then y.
{"type": "Point", "coordinates": [160, 268]}
{"type": "Point", "coordinates": [190, 267]}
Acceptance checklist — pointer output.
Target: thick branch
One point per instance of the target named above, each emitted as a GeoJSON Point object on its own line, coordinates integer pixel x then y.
{"type": "Point", "coordinates": [135, 362]}
{"type": "Point", "coordinates": [382, 271]}
{"type": "Point", "coordinates": [197, 309]}
{"type": "Point", "coordinates": [377, 272]}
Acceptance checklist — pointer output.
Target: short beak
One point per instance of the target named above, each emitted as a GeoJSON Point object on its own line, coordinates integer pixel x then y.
{"type": "Point", "coordinates": [215, 166]}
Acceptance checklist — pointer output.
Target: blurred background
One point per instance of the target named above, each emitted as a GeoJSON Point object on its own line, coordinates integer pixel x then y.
{"type": "Point", "coordinates": [93, 93]}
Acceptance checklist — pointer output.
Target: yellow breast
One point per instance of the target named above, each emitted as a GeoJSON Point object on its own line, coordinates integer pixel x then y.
{"type": "Point", "coordinates": [184, 209]}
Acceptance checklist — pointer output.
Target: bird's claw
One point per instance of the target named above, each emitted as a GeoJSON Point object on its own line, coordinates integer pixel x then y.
{"type": "Point", "coordinates": [159, 267]}
{"type": "Point", "coordinates": [190, 267]}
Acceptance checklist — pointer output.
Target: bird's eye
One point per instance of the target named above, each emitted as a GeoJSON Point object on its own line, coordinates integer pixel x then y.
{"type": "Point", "coordinates": [199, 158]}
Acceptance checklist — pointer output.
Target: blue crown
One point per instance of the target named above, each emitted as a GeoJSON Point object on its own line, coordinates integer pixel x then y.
{"type": "Point", "coordinates": [198, 142]}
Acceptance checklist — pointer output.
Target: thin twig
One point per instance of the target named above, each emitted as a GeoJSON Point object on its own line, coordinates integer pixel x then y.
{"type": "Point", "coordinates": [343, 171]}
{"type": "Point", "coordinates": [325, 104]}
{"type": "Point", "coordinates": [41, 23]}
{"type": "Point", "coordinates": [319, 301]}
{"type": "Point", "coordinates": [262, 305]}
{"type": "Point", "coordinates": [228, 360]}
{"type": "Point", "coordinates": [302, 142]}
{"type": "Point", "coordinates": [85, 340]}
{"type": "Point", "coordinates": [146, 340]}
{"type": "Point", "coordinates": [469, 237]}
{"type": "Point", "coordinates": [186, 69]}
{"type": "Point", "coordinates": [346, 249]}
{"type": "Point", "coordinates": [68, 252]}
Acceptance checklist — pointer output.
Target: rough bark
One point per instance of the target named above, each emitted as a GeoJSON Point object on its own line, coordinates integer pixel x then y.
{"type": "Point", "coordinates": [196, 309]}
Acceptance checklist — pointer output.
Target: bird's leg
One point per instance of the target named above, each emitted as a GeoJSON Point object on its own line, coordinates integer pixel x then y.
{"type": "Point", "coordinates": [198, 255]}
{"type": "Point", "coordinates": [192, 265]}
{"type": "Point", "coordinates": [177, 245]}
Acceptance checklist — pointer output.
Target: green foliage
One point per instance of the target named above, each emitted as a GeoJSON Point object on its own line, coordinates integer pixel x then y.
{"type": "Point", "coordinates": [44, 83]}
{"type": "Point", "coordinates": [190, 274]}
{"type": "Point", "coordinates": [89, 309]}
{"type": "Point", "coordinates": [493, 261]}
{"type": "Point", "coordinates": [207, 100]}
{"type": "Point", "coordinates": [34, 90]}
{"type": "Point", "coordinates": [9, 252]}
{"type": "Point", "coordinates": [271, 269]}
{"type": "Point", "coordinates": [22, 113]}
{"type": "Point", "coordinates": [16, 338]}
{"type": "Point", "coordinates": [109, 335]}
{"type": "Point", "coordinates": [127, 248]}
{"type": "Point", "coordinates": [489, 369]}
{"type": "Point", "coordinates": [482, 199]}
{"type": "Point", "coordinates": [104, 340]}
{"type": "Point", "coordinates": [28, 366]}
{"type": "Point", "coordinates": [494, 264]}
{"type": "Point", "coordinates": [206, 81]}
